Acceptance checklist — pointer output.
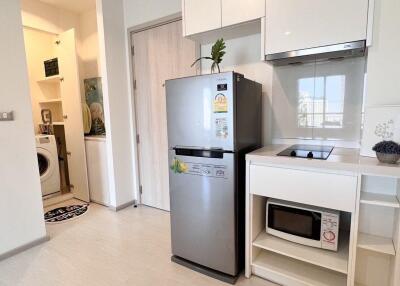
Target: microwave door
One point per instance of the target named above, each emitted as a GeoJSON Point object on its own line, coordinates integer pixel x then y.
{"type": "Point", "coordinates": [297, 225]}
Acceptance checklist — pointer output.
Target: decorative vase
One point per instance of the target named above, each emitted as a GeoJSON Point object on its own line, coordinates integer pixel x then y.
{"type": "Point", "coordinates": [387, 158]}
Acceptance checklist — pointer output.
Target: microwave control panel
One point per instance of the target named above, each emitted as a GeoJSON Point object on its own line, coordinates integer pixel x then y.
{"type": "Point", "coordinates": [330, 231]}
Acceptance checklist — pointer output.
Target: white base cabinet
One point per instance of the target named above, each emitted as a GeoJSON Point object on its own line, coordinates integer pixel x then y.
{"type": "Point", "coordinates": [96, 157]}
{"type": "Point", "coordinates": [369, 241]}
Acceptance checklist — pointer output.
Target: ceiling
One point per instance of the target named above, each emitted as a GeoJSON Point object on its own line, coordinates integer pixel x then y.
{"type": "Point", "coordinates": [77, 6]}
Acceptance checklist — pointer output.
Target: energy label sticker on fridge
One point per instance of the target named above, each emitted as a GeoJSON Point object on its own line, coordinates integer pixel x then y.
{"type": "Point", "coordinates": [221, 128]}
{"type": "Point", "coordinates": [220, 103]}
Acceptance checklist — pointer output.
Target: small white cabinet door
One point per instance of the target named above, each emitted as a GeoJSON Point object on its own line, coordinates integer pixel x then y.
{"type": "Point", "coordinates": [201, 16]}
{"type": "Point", "coordinates": [301, 24]}
{"type": "Point", "coordinates": [240, 11]}
{"type": "Point", "coordinates": [97, 170]}
{"type": "Point", "coordinates": [72, 109]}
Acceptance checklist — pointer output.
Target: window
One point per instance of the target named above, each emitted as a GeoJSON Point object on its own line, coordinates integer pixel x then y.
{"type": "Point", "coordinates": [319, 101]}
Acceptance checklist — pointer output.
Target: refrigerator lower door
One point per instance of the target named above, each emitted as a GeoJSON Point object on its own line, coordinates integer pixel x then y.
{"type": "Point", "coordinates": [203, 211]}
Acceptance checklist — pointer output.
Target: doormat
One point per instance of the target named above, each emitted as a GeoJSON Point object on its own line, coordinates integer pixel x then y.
{"type": "Point", "coordinates": [67, 213]}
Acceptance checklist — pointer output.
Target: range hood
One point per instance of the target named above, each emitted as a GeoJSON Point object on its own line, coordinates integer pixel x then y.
{"type": "Point", "coordinates": [344, 50]}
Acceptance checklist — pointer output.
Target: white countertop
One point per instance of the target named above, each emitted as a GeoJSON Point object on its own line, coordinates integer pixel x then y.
{"type": "Point", "coordinates": [341, 159]}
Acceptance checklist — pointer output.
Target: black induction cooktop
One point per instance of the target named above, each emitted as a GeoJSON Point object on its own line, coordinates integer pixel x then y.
{"type": "Point", "coordinates": [307, 151]}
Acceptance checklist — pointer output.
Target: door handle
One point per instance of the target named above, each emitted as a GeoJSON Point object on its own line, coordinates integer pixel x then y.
{"type": "Point", "coordinates": [65, 116]}
{"type": "Point", "coordinates": [61, 79]}
{"type": "Point", "coordinates": [69, 153]}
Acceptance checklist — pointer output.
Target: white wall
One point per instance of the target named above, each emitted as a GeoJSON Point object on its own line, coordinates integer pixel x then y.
{"type": "Point", "coordinates": [88, 50]}
{"type": "Point", "coordinates": [21, 210]}
{"type": "Point", "coordinates": [383, 84]}
{"type": "Point", "coordinates": [141, 11]}
{"type": "Point", "coordinates": [117, 100]}
{"type": "Point", "coordinates": [48, 18]}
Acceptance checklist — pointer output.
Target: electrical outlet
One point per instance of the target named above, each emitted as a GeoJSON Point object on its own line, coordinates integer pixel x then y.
{"type": "Point", "coordinates": [6, 116]}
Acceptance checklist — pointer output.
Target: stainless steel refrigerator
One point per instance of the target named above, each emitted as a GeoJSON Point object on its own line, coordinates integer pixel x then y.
{"type": "Point", "coordinates": [213, 121]}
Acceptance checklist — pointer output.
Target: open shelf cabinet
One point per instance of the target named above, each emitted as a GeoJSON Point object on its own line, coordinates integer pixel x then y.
{"type": "Point", "coordinates": [288, 263]}
{"type": "Point", "coordinates": [376, 243]}
{"type": "Point", "coordinates": [50, 79]}
{"type": "Point", "coordinates": [55, 100]}
{"type": "Point", "coordinates": [290, 271]}
{"type": "Point", "coordinates": [378, 232]}
{"type": "Point", "coordinates": [336, 261]}
{"type": "Point", "coordinates": [379, 200]}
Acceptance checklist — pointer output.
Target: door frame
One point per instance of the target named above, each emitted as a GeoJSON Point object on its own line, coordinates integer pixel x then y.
{"type": "Point", "coordinates": [131, 72]}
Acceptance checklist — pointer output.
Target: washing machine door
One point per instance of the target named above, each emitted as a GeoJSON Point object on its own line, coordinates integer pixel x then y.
{"type": "Point", "coordinates": [46, 163]}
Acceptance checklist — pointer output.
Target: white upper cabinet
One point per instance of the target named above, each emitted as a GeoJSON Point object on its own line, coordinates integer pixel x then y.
{"type": "Point", "coordinates": [206, 15]}
{"type": "Point", "coordinates": [201, 16]}
{"type": "Point", "coordinates": [240, 11]}
{"type": "Point", "coordinates": [301, 24]}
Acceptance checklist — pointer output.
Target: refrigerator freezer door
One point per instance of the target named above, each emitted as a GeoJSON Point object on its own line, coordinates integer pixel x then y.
{"type": "Point", "coordinates": [203, 210]}
{"type": "Point", "coordinates": [201, 111]}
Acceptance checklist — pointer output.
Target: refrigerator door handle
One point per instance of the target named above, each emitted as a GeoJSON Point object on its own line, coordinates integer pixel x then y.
{"type": "Point", "coordinates": [218, 154]}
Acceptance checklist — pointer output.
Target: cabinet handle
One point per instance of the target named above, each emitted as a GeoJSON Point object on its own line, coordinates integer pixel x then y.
{"type": "Point", "coordinates": [65, 116]}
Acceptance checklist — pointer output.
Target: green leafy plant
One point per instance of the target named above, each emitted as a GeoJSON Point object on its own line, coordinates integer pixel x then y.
{"type": "Point", "coordinates": [217, 53]}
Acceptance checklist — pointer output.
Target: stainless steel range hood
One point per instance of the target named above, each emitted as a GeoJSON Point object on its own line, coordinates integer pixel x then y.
{"type": "Point", "coordinates": [345, 50]}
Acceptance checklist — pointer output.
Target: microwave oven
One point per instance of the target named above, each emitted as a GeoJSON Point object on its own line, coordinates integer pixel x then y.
{"type": "Point", "coordinates": [303, 224]}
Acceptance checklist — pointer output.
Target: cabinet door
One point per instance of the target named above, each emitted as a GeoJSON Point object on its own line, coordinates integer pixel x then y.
{"type": "Point", "coordinates": [239, 11]}
{"type": "Point", "coordinates": [96, 155]}
{"type": "Point", "coordinates": [301, 24]}
{"type": "Point", "coordinates": [72, 110]}
{"type": "Point", "coordinates": [201, 16]}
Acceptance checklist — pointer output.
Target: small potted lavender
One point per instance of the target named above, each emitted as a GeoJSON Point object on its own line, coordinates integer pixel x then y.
{"type": "Point", "coordinates": [387, 152]}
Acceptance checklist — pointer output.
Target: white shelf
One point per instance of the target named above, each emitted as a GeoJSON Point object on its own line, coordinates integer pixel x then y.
{"type": "Point", "coordinates": [56, 100]}
{"type": "Point", "coordinates": [379, 200]}
{"type": "Point", "coordinates": [337, 261]}
{"type": "Point", "coordinates": [376, 243]}
{"type": "Point", "coordinates": [50, 79]}
{"type": "Point", "coordinates": [287, 271]}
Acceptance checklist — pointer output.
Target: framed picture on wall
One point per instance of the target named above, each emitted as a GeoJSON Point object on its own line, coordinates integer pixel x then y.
{"type": "Point", "coordinates": [381, 123]}
{"type": "Point", "coordinates": [94, 99]}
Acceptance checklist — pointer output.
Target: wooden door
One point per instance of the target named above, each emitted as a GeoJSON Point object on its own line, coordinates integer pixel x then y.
{"type": "Point", "coordinates": [160, 53]}
{"type": "Point", "coordinates": [72, 110]}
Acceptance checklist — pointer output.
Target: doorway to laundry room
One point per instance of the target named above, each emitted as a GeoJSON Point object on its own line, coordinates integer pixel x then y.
{"type": "Point", "coordinates": [62, 57]}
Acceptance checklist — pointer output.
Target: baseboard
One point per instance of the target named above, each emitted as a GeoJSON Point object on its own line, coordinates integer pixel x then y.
{"type": "Point", "coordinates": [123, 206]}
{"type": "Point", "coordinates": [24, 247]}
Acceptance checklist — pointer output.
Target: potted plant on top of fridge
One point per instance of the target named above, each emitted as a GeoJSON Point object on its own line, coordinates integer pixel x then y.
{"type": "Point", "coordinates": [217, 53]}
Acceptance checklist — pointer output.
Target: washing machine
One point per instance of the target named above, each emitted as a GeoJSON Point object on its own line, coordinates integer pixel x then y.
{"type": "Point", "coordinates": [49, 170]}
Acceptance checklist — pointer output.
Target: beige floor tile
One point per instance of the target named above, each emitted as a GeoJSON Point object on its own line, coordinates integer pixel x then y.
{"type": "Point", "coordinates": [131, 247]}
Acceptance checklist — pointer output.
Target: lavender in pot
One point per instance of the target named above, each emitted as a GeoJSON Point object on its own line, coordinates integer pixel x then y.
{"type": "Point", "coordinates": [387, 152]}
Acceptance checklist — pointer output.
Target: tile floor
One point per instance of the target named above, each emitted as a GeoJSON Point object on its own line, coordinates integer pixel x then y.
{"type": "Point", "coordinates": [131, 247]}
